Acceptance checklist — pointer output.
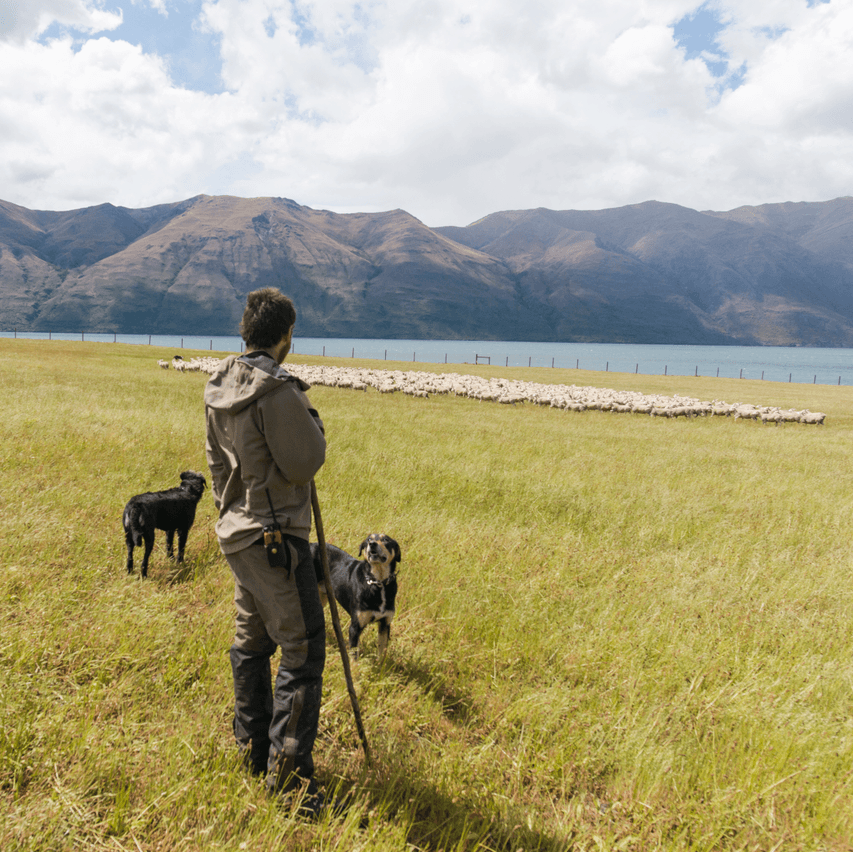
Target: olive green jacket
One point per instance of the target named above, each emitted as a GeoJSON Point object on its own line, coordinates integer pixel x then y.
{"type": "Point", "coordinates": [263, 437]}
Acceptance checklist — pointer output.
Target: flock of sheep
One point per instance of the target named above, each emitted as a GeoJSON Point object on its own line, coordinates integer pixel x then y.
{"type": "Point", "coordinates": [567, 397]}
{"type": "Point", "coordinates": [194, 365]}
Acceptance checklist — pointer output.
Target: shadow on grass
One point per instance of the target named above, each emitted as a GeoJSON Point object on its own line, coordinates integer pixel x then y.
{"type": "Point", "coordinates": [181, 572]}
{"type": "Point", "coordinates": [437, 821]}
{"type": "Point", "coordinates": [455, 705]}
{"type": "Point", "coordinates": [206, 556]}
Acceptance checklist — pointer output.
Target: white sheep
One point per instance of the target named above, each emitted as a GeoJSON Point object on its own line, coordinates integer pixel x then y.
{"type": "Point", "coordinates": [422, 384]}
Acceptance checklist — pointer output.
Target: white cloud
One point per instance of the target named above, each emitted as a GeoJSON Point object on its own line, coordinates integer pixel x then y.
{"type": "Point", "coordinates": [802, 83]}
{"type": "Point", "coordinates": [20, 21]}
{"type": "Point", "coordinates": [448, 110]}
{"type": "Point", "coordinates": [115, 130]}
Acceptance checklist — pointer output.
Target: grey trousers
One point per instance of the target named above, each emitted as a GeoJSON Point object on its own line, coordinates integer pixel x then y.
{"type": "Point", "coordinates": [276, 728]}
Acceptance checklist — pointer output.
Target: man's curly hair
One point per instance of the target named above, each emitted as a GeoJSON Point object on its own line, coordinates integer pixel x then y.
{"type": "Point", "coordinates": [269, 315]}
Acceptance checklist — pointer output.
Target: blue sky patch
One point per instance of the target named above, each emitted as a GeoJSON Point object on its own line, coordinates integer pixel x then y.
{"type": "Point", "coordinates": [697, 34]}
{"type": "Point", "coordinates": [305, 33]}
{"type": "Point", "coordinates": [191, 54]}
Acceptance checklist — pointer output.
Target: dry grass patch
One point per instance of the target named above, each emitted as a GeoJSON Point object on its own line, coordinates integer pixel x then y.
{"type": "Point", "coordinates": [613, 632]}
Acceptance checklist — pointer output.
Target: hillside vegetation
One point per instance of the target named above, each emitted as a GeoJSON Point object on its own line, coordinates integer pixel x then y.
{"type": "Point", "coordinates": [777, 274]}
{"type": "Point", "coordinates": [613, 632]}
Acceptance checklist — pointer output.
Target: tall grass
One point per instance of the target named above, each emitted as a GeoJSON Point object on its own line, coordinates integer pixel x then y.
{"type": "Point", "coordinates": [613, 631]}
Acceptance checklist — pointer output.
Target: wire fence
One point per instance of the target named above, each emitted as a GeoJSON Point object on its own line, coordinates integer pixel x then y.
{"type": "Point", "coordinates": [787, 364]}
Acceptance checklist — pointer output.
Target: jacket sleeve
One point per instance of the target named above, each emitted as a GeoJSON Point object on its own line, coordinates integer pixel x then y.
{"type": "Point", "coordinates": [215, 462]}
{"type": "Point", "coordinates": [293, 434]}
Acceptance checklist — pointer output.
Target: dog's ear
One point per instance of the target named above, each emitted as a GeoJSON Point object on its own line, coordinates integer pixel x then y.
{"type": "Point", "coordinates": [361, 547]}
{"type": "Point", "coordinates": [398, 557]}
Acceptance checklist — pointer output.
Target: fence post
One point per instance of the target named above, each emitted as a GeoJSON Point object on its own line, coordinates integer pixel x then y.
{"type": "Point", "coordinates": [636, 368]}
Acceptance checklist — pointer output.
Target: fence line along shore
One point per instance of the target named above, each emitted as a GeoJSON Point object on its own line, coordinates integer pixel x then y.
{"type": "Point", "coordinates": [423, 384]}
{"type": "Point", "coordinates": [104, 337]}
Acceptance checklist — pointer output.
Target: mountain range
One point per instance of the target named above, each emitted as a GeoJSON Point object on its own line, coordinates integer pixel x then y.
{"type": "Point", "coordinates": [775, 274]}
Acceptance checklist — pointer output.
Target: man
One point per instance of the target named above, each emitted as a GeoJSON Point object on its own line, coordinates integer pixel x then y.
{"type": "Point", "coordinates": [264, 445]}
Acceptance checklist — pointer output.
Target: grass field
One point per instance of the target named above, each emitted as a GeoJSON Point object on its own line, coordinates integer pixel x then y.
{"type": "Point", "coordinates": [613, 631]}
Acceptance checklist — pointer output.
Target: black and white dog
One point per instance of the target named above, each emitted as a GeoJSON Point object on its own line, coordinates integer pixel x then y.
{"type": "Point", "coordinates": [365, 588]}
{"type": "Point", "coordinates": [172, 510]}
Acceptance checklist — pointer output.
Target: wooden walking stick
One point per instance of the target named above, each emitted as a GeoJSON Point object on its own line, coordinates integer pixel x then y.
{"type": "Point", "coordinates": [336, 621]}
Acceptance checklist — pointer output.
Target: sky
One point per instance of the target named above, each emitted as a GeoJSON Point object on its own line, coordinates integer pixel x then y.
{"type": "Point", "coordinates": [448, 109]}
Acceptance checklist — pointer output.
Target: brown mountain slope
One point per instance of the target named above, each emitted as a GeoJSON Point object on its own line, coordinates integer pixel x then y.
{"type": "Point", "coordinates": [826, 228]}
{"type": "Point", "coordinates": [659, 272]}
{"type": "Point", "coordinates": [652, 272]}
{"type": "Point", "coordinates": [191, 267]}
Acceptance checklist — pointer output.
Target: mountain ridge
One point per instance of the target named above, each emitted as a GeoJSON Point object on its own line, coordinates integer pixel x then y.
{"type": "Point", "coordinates": [652, 272]}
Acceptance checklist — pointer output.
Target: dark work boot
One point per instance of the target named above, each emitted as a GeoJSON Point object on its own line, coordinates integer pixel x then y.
{"type": "Point", "coordinates": [316, 804]}
{"type": "Point", "coordinates": [282, 775]}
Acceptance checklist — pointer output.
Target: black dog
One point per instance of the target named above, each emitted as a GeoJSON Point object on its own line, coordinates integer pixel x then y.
{"type": "Point", "coordinates": [169, 510]}
{"type": "Point", "coordinates": [366, 588]}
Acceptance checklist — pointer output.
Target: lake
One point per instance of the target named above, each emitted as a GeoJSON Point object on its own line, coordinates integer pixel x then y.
{"type": "Point", "coordinates": [770, 363]}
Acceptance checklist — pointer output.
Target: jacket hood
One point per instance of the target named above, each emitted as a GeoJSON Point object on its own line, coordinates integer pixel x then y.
{"type": "Point", "coordinates": [241, 379]}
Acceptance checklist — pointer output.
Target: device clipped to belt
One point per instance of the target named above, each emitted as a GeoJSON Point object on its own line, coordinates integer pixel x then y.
{"type": "Point", "coordinates": [278, 553]}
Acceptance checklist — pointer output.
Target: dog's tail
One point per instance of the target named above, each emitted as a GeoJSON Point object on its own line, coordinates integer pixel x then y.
{"type": "Point", "coordinates": [133, 523]}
